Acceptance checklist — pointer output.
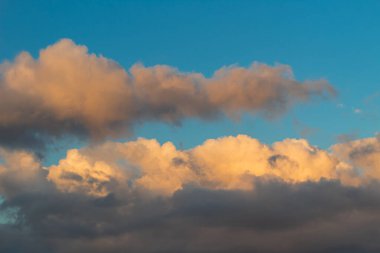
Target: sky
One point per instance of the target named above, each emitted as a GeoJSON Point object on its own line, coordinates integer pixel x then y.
{"type": "Point", "coordinates": [179, 124]}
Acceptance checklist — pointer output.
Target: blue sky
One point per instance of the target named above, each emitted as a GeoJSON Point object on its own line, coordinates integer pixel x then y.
{"type": "Point", "coordinates": [337, 41]}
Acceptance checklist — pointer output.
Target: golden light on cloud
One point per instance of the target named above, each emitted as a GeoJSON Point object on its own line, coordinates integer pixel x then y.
{"type": "Point", "coordinates": [228, 163]}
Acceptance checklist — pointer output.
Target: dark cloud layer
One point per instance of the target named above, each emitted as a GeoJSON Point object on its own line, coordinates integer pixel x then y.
{"type": "Point", "coordinates": [67, 91]}
{"type": "Point", "coordinates": [319, 217]}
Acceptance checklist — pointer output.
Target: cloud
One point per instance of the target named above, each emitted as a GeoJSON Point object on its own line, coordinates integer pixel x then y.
{"type": "Point", "coordinates": [224, 163]}
{"type": "Point", "coordinates": [363, 154]}
{"type": "Point", "coordinates": [227, 194]}
{"type": "Point", "coordinates": [20, 171]}
{"type": "Point", "coordinates": [227, 163]}
{"type": "Point", "coordinates": [68, 91]}
{"type": "Point", "coordinates": [144, 163]}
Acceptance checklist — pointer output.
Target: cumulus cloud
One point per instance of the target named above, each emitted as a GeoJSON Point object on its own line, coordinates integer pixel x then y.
{"type": "Point", "coordinates": [228, 194]}
{"type": "Point", "coordinates": [224, 163]}
{"type": "Point", "coordinates": [67, 90]}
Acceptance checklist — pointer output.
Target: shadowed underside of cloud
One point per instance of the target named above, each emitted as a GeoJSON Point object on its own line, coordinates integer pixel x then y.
{"type": "Point", "coordinates": [69, 91]}
{"type": "Point", "coordinates": [232, 194]}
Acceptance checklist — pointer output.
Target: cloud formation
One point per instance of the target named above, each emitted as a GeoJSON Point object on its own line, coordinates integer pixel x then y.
{"type": "Point", "coordinates": [228, 194]}
{"type": "Point", "coordinates": [224, 163]}
{"type": "Point", "coordinates": [67, 90]}
{"type": "Point", "coordinates": [231, 194]}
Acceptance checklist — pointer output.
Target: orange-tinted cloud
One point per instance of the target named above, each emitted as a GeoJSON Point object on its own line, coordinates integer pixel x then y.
{"type": "Point", "coordinates": [70, 91]}
{"type": "Point", "coordinates": [228, 163]}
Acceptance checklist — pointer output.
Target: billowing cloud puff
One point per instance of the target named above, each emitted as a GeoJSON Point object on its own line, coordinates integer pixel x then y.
{"type": "Point", "coordinates": [69, 91]}
{"type": "Point", "coordinates": [232, 194]}
{"type": "Point", "coordinates": [81, 174]}
{"type": "Point", "coordinates": [143, 163]}
{"type": "Point", "coordinates": [231, 162]}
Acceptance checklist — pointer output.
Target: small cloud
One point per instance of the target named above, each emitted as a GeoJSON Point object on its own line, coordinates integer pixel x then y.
{"type": "Point", "coordinates": [342, 138]}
